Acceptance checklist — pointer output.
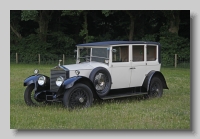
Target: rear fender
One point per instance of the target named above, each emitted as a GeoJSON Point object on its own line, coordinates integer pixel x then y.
{"type": "Point", "coordinates": [150, 76]}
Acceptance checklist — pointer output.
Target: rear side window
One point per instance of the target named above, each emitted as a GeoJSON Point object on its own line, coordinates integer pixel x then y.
{"type": "Point", "coordinates": [138, 53]}
{"type": "Point", "coordinates": [151, 53]}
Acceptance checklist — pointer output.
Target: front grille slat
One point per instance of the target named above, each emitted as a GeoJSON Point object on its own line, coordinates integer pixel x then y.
{"type": "Point", "coordinates": [55, 73]}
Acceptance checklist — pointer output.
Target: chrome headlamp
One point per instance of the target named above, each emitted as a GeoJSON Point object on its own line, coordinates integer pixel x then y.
{"type": "Point", "coordinates": [36, 71]}
{"type": "Point", "coordinates": [42, 80]}
{"type": "Point", "coordinates": [106, 61]}
{"type": "Point", "coordinates": [77, 72]}
{"type": "Point", "coordinates": [59, 81]}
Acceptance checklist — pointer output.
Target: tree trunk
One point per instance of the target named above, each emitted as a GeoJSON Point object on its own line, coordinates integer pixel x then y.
{"type": "Point", "coordinates": [131, 31]}
{"type": "Point", "coordinates": [43, 24]}
{"type": "Point", "coordinates": [43, 27]}
{"type": "Point", "coordinates": [174, 22]}
{"type": "Point", "coordinates": [15, 32]}
{"type": "Point", "coordinates": [85, 26]}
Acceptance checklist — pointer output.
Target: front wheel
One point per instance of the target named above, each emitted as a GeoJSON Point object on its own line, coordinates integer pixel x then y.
{"type": "Point", "coordinates": [79, 96]}
{"type": "Point", "coordinates": [29, 97]}
{"type": "Point", "coordinates": [156, 88]}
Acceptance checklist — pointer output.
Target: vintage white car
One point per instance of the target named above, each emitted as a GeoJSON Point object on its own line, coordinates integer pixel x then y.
{"type": "Point", "coordinates": [103, 70]}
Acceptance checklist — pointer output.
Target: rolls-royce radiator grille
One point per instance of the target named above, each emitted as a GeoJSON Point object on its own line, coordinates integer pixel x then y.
{"type": "Point", "coordinates": [55, 73]}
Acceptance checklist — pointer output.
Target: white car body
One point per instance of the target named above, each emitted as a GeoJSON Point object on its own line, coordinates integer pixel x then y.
{"type": "Point", "coordinates": [103, 70]}
{"type": "Point", "coordinates": [124, 74]}
{"type": "Point", "coordinates": [85, 68]}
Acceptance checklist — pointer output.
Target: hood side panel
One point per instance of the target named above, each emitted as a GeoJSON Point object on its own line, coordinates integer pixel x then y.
{"type": "Point", "coordinates": [85, 66]}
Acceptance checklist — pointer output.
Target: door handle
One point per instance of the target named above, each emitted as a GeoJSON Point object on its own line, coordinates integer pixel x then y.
{"type": "Point", "coordinates": [132, 68]}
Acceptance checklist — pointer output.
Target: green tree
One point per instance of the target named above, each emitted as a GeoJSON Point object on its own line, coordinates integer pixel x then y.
{"type": "Point", "coordinates": [56, 32]}
{"type": "Point", "coordinates": [42, 17]}
{"type": "Point", "coordinates": [173, 20]}
{"type": "Point", "coordinates": [15, 23]}
{"type": "Point", "coordinates": [132, 16]}
{"type": "Point", "coordinates": [84, 31]}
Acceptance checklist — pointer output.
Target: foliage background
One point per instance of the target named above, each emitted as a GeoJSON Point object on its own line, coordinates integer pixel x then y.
{"type": "Point", "coordinates": [56, 32]}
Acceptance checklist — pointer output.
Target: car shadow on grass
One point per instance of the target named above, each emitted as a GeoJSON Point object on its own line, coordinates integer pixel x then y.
{"type": "Point", "coordinates": [120, 100]}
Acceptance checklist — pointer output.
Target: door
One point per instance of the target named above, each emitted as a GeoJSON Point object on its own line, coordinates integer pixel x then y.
{"type": "Point", "coordinates": [138, 65]}
{"type": "Point", "coordinates": [120, 67]}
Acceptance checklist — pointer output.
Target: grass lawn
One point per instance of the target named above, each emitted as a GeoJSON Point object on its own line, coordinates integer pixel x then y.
{"type": "Point", "coordinates": [171, 112]}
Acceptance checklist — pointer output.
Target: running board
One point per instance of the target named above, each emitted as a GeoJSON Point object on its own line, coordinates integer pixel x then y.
{"type": "Point", "coordinates": [124, 95]}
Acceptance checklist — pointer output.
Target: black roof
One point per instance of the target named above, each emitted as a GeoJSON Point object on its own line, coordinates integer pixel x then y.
{"type": "Point", "coordinates": [107, 43]}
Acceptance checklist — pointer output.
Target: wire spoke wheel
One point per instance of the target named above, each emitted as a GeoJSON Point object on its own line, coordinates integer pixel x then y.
{"type": "Point", "coordinates": [156, 88]}
{"type": "Point", "coordinates": [30, 97]}
{"type": "Point", "coordinates": [79, 96]}
{"type": "Point", "coordinates": [102, 80]}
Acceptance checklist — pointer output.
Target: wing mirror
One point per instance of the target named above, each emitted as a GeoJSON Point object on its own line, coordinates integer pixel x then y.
{"type": "Point", "coordinates": [106, 61]}
{"type": "Point", "coordinates": [114, 50]}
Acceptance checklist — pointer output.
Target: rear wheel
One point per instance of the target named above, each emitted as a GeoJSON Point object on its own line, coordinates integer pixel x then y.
{"type": "Point", "coordinates": [79, 96]}
{"type": "Point", "coordinates": [155, 88]}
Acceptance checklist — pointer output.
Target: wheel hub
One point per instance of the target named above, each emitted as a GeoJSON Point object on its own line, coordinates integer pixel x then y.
{"type": "Point", "coordinates": [157, 90]}
{"type": "Point", "coordinates": [81, 100]}
{"type": "Point", "coordinates": [100, 81]}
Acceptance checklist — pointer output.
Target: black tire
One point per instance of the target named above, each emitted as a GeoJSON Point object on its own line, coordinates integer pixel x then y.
{"type": "Point", "coordinates": [29, 97]}
{"type": "Point", "coordinates": [155, 88]}
{"type": "Point", "coordinates": [101, 80]}
{"type": "Point", "coordinates": [79, 96]}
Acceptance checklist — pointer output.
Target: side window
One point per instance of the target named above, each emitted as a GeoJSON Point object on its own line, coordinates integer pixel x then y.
{"type": "Point", "coordinates": [151, 53]}
{"type": "Point", "coordinates": [120, 54]}
{"type": "Point", "coordinates": [138, 53]}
